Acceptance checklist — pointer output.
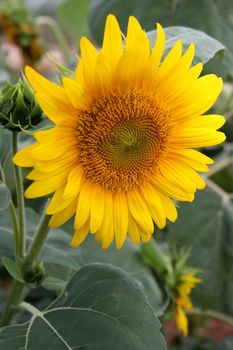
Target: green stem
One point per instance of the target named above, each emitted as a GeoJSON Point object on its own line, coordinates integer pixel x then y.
{"type": "Point", "coordinates": [154, 257]}
{"type": "Point", "coordinates": [15, 226]}
{"type": "Point", "coordinates": [18, 288]}
{"type": "Point", "coordinates": [213, 314]}
{"type": "Point", "coordinates": [57, 32]}
{"type": "Point", "coordinates": [20, 199]}
{"type": "Point", "coordinates": [16, 295]}
{"type": "Point", "coordinates": [37, 243]}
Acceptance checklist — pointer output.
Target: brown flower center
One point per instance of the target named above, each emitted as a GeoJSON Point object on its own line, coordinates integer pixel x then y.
{"type": "Point", "coordinates": [121, 138]}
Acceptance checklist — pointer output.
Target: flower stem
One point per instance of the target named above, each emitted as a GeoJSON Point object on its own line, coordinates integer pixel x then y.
{"type": "Point", "coordinates": [213, 314]}
{"type": "Point", "coordinates": [20, 199]}
{"type": "Point", "coordinates": [13, 299]}
{"type": "Point", "coordinates": [37, 243]}
{"type": "Point", "coordinates": [18, 288]}
{"type": "Point", "coordinates": [154, 257]}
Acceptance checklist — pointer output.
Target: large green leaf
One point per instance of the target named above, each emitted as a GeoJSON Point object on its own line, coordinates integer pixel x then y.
{"type": "Point", "coordinates": [206, 46]}
{"type": "Point", "coordinates": [102, 308]}
{"type": "Point", "coordinates": [62, 261]}
{"type": "Point", "coordinates": [206, 226]}
{"type": "Point", "coordinates": [14, 337]}
{"type": "Point", "coordinates": [211, 16]}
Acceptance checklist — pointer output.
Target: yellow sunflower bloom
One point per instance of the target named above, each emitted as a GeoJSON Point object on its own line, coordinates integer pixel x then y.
{"type": "Point", "coordinates": [183, 301]}
{"type": "Point", "coordinates": [125, 128]}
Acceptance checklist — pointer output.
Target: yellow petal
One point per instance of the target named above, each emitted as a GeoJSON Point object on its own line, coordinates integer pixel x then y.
{"type": "Point", "coordinates": [44, 187]}
{"type": "Point", "coordinates": [171, 59]}
{"type": "Point", "coordinates": [80, 234]}
{"type": "Point", "coordinates": [136, 36]}
{"type": "Point", "coordinates": [210, 121]}
{"type": "Point", "coordinates": [74, 92]}
{"type": "Point", "coordinates": [112, 44]}
{"type": "Point", "coordinates": [181, 321]}
{"type": "Point", "coordinates": [84, 73]}
{"type": "Point", "coordinates": [23, 157]}
{"type": "Point", "coordinates": [192, 158]}
{"type": "Point", "coordinates": [137, 206]}
{"type": "Point", "coordinates": [55, 111]}
{"type": "Point", "coordinates": [56, 204]}
{"type": "Point", "coordinates": [97, 208]}
{"type": "Point", "coordinates": [43, 86]}
{"type": "Point", "coordinates": [102, 75]}
{"type": "Point", "coordinates": [205, 90]}
{"type": "Point", "coordinates": [158, 49]}
{"type": "Point", "coordinates": [183, 176]}
{"type": "Point", "coordinates": [155, 58]}
{"type": "Point", "coordinates": [134, 230]}
{"type": "Point", "coordinates": [84, 205]}
{"type": "Point", "coordinates": [120, 216]}
{"type": "Point", "coordinates": [107, 227]}
{"type": "Point", "coordinates": [196, 137]}
{"type": "Point", "coordinates": [154, 203]}
{"type": "Point", "coordinates": [169, 207]}
{"type": "Point", "coordinates": [166, 186]}
{"type": "Point", "coordinates": [60, 218]}
{"type": "Point", "coordinates": [73, 182]}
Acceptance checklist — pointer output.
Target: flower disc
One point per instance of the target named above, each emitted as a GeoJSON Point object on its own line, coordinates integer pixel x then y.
{"type": "Point", "coordinates": [120, 139]}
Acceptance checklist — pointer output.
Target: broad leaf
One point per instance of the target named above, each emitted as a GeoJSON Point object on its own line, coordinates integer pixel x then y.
{"type": "Point", "coordinates": [206, 226]}
{"type": "Point", "coordinates": [62, 261]}
{"type": "Point", "coordinates": [13, 337]}
{"type": "Point", "coordinates": [205, 46]}
{"type": "Point", "coordinates": [102, 308]}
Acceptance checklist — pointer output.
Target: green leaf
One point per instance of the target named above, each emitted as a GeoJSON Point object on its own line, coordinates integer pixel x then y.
{"type": "Point", "coordinates": [13, 269]}
{"type": "Point", "coordinates": [5, 197]}
{"type": "Point", "coordinates": [13, 337]}
{"type": "Point", "coordinates": [102, 308]}
{"type": "Point", "coordinates": [206, 226]}
{"type": "Point", "coordinates": [206, 47]}
{"type": "Point", "coordinates": [73, 15]}
{"type": "Point", "coordinates": [213, 17]}
{"type": "Point", "coordinates": [61, 261]}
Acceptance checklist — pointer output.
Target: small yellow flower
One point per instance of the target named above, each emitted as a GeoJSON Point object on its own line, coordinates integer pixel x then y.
{"type": "Point", "coordinates": [183, 301]}
{"type": "Point", "coordinates": [126, 126]}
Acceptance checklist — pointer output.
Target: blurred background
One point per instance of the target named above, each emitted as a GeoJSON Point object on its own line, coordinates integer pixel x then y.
{"type": "Point", "coordinates": [40, 32]}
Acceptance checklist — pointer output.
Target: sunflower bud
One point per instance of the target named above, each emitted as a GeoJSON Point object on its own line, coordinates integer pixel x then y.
{"type": "Point", "coordinates": [18, 108]}
{"type": "Point", "coordinates": [35, 275]}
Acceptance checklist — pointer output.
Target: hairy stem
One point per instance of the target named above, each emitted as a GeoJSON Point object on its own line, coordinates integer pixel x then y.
{"type": "Point", "coordinates": [20, 200]}
{"type": "Point", "coordinates": [18, 289]}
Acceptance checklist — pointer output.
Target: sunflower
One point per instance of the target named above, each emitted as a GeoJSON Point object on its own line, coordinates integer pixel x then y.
{"type": "Point", "coordinates": [125, 127]}
{"type": "Point", "coordinates": [183, 301]}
